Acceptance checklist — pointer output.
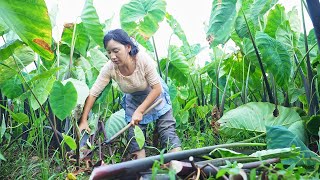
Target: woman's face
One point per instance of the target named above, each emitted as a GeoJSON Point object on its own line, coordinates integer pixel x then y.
{"type": "Point", "coordinates": [117, 52]}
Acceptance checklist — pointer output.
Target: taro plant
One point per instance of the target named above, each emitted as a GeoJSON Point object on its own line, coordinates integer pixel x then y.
{"type": "Point", "coordinates": [270, 78]}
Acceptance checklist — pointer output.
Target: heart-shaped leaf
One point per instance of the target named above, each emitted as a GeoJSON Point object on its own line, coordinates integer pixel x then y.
{"type": "Point", "coordinates": [63, 99]}
{"type": "Point", "coordinates": [142, 16]}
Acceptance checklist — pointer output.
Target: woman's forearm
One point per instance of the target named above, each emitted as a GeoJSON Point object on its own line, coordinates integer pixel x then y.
{"type": "Point", "coordinates": [152, 96]}
{"type": "Point", "coordinates": [87, 107]}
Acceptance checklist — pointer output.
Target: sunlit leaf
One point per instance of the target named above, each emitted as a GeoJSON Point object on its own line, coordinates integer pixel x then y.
{"type": "Point", "coordinates": [222, 19]}
{"type": "Point", "coordinates": [254, 11]}
{"type": "Point", "coordinates": [81, 39]}
{"type": "Point", "coordinates": [142, 16]}
{"type": "Point", "coordinates": [31, 23]}
{"type": "Point", "coordinates": [70, 141]}
{"type": "Point", "coordinates": [276, 16]}
{"type": "Point", "coordinates": [286, 36]}
{"type": "Point", "coordinates": [177, 29]}
{"type": "Point", "coordinates": [138, 134]}
{"type": "Point", "coordinates": [91, 22]}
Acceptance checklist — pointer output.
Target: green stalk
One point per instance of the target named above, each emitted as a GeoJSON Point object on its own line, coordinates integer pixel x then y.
{"type": "Point", "coordinates": [168, 60]}
{"type": "Point", "coordinates": [225, 92]}
{"type": "Point", "coordinates": [253, 138]}
{"type": "Point", "coordinates": [156, 53]}
{"type": "Point", "coordinates": [313, 103]}
{"type": "Point", "coordinates": [243, 97]}
{"type": "Point", "coordinates": [202, 93]}
{"type": "Point", "coordinates": [73, 42]}
{"type": "Point", "coordinates": [303, 78]}
{"type": "Point", "coordinates": [195, 90]}
{"type": "Point", "coordinates": [265, 79]}
{"type": "Point", "coordinates": [247, 84]}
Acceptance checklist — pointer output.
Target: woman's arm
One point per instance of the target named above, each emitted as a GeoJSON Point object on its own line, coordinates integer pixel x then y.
{"type": "Point", "coordinates": [84, 118]}
{"type": "Point", "coordinates": [152, 96]}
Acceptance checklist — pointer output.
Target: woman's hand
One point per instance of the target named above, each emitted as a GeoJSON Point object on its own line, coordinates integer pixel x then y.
{"type": "Point", "coordinates": [84, 126]}
{"type": "Point", "coordinates": [136, 117]}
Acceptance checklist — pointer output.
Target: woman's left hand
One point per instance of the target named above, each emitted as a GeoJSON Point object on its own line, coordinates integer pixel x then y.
{"type": "Point", "coordinates": [136, 117]}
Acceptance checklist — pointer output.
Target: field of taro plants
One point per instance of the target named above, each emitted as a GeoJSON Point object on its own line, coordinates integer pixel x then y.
{"type": "Point", "coordinates": [252, 113]}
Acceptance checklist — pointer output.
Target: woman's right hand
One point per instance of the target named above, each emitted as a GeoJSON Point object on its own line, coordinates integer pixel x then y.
{"type": "Point", "coordinates": [84, 119]}
{"type": "Point", "coordinates": [84, 126]}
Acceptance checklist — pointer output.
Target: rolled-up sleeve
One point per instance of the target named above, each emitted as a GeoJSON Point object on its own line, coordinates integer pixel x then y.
{"type": "Point", "coordinates": [102, 80]}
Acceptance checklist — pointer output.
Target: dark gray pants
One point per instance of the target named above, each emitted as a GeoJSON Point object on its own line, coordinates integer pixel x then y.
{"type": "Point", "coordinates": [166, 126]}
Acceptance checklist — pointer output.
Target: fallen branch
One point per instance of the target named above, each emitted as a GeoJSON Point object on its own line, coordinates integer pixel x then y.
{"type": "Point", "coordinates": [134, 166]}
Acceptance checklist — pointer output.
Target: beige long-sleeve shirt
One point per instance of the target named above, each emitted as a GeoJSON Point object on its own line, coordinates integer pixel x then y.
{"type": "Point", "coordinates": [144, 75]}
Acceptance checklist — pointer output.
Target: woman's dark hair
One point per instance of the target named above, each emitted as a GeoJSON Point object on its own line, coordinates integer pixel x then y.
{"type": "Point", "coordinates": [122, 37]}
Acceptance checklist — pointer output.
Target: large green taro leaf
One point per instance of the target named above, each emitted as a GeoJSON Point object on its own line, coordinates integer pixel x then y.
{"type": "Point", "coordinates": [30, 20]}
{"type": "Point", "coordinates": [23, 56]}
{"type": "Point", "coordinates": [178, 66]}
{"type": "Point", "coordinates": [177, 29]}
{"type": "Point", "coordinates": [115, 123]}
{"type": "Point", "coordinates": [3, 27]}
{"type": "Point", "coordinates": [63, 99]}
{"type": "Point", "coordinates": [142, 16]}
{"type": "Point", "coordinates": [254, 11]}
{"type": "Point", "coordinates": [12, 88]}
{"type": "Point", "coordinates": [255, 116]}
{"type": "Point", "coordinates": [82, 89]}
{"type": "Point", "coordinates": [287, 37]}
{"type": "Point", "coordinates": [91, 22]}
{"type": "Point", "coordinates": [81, 39]}
{"type": "Point", "coordinates": [7, 49]}
{"type": "Point", "coordinates": [41, 89]}
{"type": "Point", "coordinates": [275, 56]}
{"type": "Point", "coordinates": [97, 59]}
{"type": "Point", "coordinates": [222, 19]}
{"type": "Point", "coordinates": [275, 17]}
{"type": "Point", "coordinates": [280, 137]}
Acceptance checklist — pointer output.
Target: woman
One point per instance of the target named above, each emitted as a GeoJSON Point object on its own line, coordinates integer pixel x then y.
{"type": "Point", "coordinates": [137, 77]}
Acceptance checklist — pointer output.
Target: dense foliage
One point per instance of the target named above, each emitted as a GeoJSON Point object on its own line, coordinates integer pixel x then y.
{"type": "Point", "coordinates": [266, 90]}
